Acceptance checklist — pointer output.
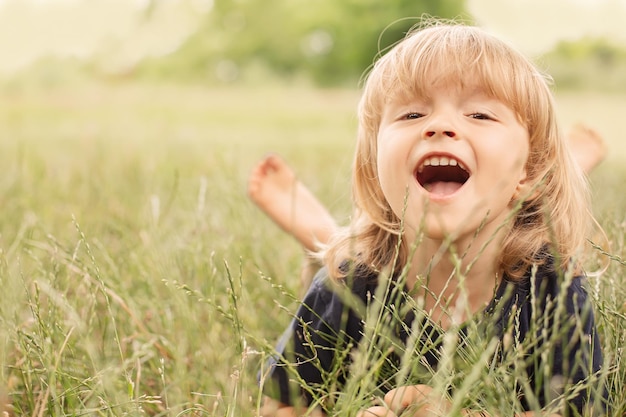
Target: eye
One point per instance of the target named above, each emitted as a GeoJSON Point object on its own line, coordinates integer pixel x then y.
{"type": "Point", "coordinates": [480, 116]}
{"type": "Point", "coordinates": [413, 115]}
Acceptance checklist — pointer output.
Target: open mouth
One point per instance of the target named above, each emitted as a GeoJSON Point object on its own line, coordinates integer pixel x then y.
{"type": "Point", "coordinates": [442, 175]}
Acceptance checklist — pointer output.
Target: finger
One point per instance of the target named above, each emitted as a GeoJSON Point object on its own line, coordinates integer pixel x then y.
{"type": "Point", "coordinates": [400, 398]}
{"type": "Point", "coordinates": [376, 411]}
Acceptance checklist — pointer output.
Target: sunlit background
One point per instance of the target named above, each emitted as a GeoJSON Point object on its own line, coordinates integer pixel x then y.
{"type": "Point", "coordinates": [118, 34]}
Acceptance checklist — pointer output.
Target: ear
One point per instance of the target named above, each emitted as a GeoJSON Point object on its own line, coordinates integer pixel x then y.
{"type": "Point", "coordinates": [525, 188]}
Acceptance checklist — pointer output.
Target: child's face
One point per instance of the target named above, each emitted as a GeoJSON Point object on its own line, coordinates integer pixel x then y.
{"type": "Point", "coordinates": [458, 153]}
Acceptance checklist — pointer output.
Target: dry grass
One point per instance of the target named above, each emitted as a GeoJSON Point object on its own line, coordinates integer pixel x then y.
{"type": "Point", "coordinates": [138, 279]}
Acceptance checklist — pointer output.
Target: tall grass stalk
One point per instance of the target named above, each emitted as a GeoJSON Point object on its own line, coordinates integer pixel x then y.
{"type": "Point", "coordinates": [124, 212]}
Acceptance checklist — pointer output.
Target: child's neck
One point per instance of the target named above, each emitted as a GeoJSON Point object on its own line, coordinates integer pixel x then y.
{"type": "Point", "coordinates": [454, 284]}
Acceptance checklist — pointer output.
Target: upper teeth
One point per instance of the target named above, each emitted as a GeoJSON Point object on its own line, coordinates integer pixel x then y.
{"type": "Point", "coordinates": [437, 161]}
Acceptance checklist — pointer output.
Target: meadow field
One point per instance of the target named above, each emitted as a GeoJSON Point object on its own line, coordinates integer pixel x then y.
{"type": "Point", "coordinates": [139, 280]}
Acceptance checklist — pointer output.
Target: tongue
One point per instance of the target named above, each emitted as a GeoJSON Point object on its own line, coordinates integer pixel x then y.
{"type": "Point", "coordinates": [443, 188]}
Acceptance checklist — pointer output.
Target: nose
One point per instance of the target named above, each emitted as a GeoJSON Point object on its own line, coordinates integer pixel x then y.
{"type": "Point", "coordinates": [449, 133]}
{"type": "Point", "coordinates": [440, 123]}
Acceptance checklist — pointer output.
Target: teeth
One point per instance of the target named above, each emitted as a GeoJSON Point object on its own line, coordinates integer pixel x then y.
{"type": "Point", "coordinates": [436, 161]}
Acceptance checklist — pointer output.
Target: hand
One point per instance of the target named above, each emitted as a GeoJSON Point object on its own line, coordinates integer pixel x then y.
{"type": "Point", "coordinates": [419, 399]}
{"type": "Point", "coordinates": [274, 408]}
{"type": "Point", "coordinates": [377, 411]}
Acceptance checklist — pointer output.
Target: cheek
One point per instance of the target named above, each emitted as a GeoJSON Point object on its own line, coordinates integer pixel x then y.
{"type": "Point", "coordinates": [382, 165]}
{"type": "Point", "coordinates": [506, 160]}
{"type": "Point", "coordinates": [389, 182]}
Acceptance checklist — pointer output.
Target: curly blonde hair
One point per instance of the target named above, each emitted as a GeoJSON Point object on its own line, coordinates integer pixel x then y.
{"type": "Point", "coordinates": [556, 214]}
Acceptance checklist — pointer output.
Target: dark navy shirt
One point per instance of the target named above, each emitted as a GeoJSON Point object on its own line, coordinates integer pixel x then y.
{"type": "Point", "coordinates": [543, 323]}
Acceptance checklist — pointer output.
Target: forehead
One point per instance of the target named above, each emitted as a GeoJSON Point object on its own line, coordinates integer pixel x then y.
{"type": "Point", "coordinates": [464, 88]}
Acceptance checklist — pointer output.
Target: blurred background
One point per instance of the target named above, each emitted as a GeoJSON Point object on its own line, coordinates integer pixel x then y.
{"type": "Point", "coordinates": [326, 42]}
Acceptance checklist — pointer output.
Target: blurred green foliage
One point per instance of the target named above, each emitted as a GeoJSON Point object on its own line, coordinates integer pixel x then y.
{"type": "Point", "coordinates": [324, 43]}
{"type": "Point", "coordinates": [332, 43]}
{"type": "Point", "coordinates": [328, 41]}
{"type": "Point", "coordinates": [588, 63]}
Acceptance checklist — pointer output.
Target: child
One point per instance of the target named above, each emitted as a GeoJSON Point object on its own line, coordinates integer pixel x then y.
{"type": "Point", "coordinates": [275, 189]}
{"type": "Point", "coordinates": [466, 195]}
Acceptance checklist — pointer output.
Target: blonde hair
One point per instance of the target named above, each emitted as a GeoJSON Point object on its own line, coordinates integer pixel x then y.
{"type": "Point", "coordinates": [555, 215]}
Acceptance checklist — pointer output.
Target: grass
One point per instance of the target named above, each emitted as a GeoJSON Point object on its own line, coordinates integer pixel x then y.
{"type": "Point", "coordinates": [138, 278]}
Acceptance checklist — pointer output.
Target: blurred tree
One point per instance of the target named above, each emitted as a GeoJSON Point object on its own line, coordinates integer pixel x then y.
{"type": "Point", "coordinates": [330, 41]}
{"type": "Point", "coordinates": [364, 28]}
{"type": "Point", "coordinates": [601, 50]}
{"type": "Point", "coordinates": [589, 62]}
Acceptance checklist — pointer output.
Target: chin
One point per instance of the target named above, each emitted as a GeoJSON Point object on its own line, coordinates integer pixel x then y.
{"type": "Point", "coordinates": [437, 232]}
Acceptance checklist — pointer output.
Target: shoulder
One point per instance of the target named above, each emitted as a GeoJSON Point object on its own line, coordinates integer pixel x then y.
{"type": "Point", "coordinates": [548, 285]}
{"type": "Point", "coordinates": [360, 281]}
{"type": "Point", "coordinates": [543, 292]}
{"type": "Point", "coordinates": [328, 297]}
